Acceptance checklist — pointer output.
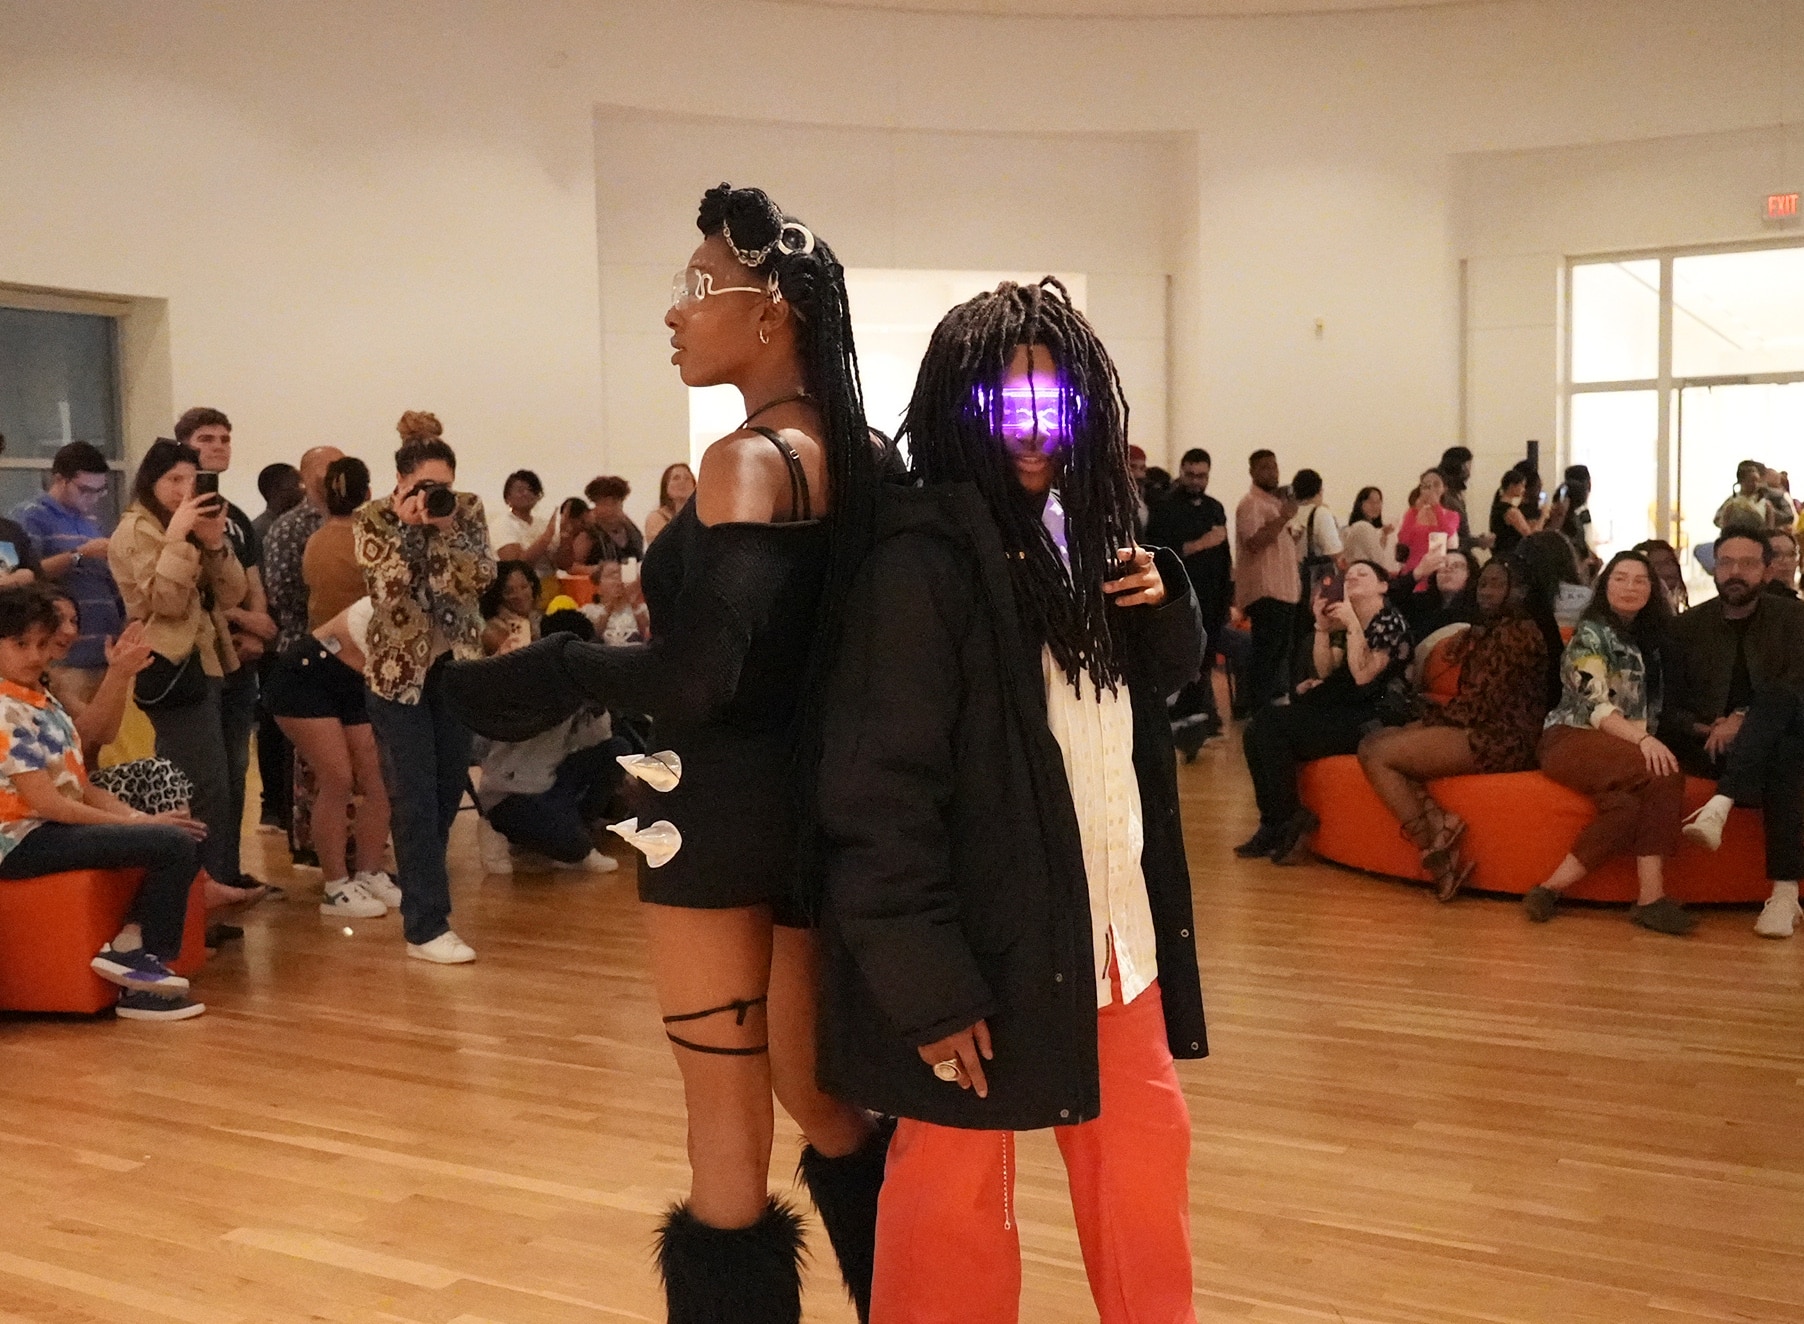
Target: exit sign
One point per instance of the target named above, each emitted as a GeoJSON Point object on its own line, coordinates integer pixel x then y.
{"type": "Point", "coordinates": [1782, 206]}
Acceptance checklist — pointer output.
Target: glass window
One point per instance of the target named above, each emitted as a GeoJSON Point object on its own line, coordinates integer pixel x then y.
{"type": "Point", "coordinates": [1616, 321]}
{"type": "Point", "coordinates": [1617, 434]}
{"type": "Point", "coordinates": [58, 383]}
{"type": "Point", "coordinates": [1735, 313]}
{"type": "Point", "coordinates": [1720, 426]}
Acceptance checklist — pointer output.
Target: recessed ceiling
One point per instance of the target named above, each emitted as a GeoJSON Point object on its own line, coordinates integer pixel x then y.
{"type": "Point", "coordinates": [1131, 8]}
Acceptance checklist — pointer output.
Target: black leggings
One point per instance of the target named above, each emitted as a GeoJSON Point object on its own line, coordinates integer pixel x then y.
{"type": "Point", "coordinates": [169, 857]}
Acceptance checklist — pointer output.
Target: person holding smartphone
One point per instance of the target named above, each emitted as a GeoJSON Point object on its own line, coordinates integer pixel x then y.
{"type": "Point", "coordinates": [178, 574]}
{"type": "Point", "coordinates": [1360, 642]}
{"type": "Point", "coordinates": [253, 629]}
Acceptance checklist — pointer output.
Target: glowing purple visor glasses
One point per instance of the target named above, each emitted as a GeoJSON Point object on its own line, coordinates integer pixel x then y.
{"type": "Point", "coordinates": [1045, 410]}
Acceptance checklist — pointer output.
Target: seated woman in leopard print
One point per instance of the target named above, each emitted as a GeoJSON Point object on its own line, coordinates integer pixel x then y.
{"type": "Point", "coordinates": [1507, 664]}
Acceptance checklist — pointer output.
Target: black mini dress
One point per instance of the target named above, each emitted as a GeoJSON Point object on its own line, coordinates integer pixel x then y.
{"type": "Point", "coordinates": [735, 610]}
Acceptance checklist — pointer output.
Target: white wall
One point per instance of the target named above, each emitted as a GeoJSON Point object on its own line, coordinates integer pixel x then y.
{"type": "Point", "coordinates": [1102, 204]}
{"type": "Point", "coordinates": [359, 206]}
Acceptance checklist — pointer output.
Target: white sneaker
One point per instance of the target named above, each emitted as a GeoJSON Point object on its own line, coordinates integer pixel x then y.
{"type": "Point", "coordinates": [1706, 826]}
{"type": "Point", "coordinates": [347, 899]}
{"type": "Point", "coordinates": [1779, 918]}
{"type": "Point", "coordinates": [599, 863]}
{"type": "Point", "coordinates": [446, 949]}
{"type": "Point", "coordinates": [497, 856]}
{"type": "Point", "coordinates": [380, 886]}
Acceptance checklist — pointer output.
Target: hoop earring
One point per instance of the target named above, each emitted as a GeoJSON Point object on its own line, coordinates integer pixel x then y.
{"type": "Point", "coordinates": [763, 336]}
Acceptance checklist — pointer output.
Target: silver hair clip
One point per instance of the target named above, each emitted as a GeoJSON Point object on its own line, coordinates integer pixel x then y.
{"type": "Point", "coordinates": [791, 245]}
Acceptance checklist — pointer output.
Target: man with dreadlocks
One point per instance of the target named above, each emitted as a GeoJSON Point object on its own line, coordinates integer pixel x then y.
{"type": "Point", "coordinates": [1007, 928]}
{"type": "Point", "coordinates": [744, 587]}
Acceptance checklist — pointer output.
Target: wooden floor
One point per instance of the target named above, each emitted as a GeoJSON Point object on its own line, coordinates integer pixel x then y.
{"type": "Point", "coordinates": [1414, 1113]}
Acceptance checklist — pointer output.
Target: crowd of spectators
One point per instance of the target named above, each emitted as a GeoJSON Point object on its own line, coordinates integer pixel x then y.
{"type": "Point", "coordinates": [319, 628]}
{"type": "Point", "coordinates": [1431, 648]}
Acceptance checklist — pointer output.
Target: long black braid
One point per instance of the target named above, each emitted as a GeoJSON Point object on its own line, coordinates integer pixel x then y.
{"type": "Point", "coordinates": [814, 285]}
{"type": "Point", "coordinates": [953, 429]}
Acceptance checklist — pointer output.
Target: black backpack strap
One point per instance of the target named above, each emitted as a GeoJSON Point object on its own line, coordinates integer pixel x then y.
{"type": "Point", "coordinates": [800, 505]}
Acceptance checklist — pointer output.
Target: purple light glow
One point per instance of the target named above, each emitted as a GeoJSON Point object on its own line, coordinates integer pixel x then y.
{"type": "Point", "coordinates": [1043, 410]}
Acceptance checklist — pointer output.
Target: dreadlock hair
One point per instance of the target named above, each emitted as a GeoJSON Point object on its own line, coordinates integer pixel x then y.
{"type": "Point", "coordinates": [954, 429]}
{"type": "Point", "coordinates": [800, 268]}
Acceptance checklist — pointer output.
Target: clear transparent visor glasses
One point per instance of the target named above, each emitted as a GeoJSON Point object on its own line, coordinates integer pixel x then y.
{"type": "Point", "coordinates": [690, 286]}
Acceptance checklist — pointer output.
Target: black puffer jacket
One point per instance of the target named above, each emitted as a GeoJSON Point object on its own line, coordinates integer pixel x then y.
{"type": "Point", "coordinates": [956, 886]}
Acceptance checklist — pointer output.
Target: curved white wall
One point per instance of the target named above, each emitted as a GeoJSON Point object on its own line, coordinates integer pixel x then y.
{"type": "Point", "coordinates": [355, 208]}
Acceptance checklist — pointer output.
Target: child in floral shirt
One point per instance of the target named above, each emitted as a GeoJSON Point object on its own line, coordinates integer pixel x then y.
{"type": "Point", "coordinates": [53, 819]}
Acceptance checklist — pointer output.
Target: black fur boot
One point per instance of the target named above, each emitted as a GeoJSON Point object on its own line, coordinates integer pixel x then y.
{"type": "Point", "coordinates": [747, 1275]}
{"type": "Point", "coordinates": [845, 1192]}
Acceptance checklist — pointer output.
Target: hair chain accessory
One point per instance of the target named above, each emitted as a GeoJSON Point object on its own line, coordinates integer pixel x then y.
{"type": "Point", "coordinates": [749, 257]}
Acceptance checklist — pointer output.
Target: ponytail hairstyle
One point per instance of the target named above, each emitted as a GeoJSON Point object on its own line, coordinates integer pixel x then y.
{"type": "Point", "coordinates": [954, 431]}
{"type": "Point", "coordinates": [800, 269]}
{"type": "Point", "coordinates": [347, 485]}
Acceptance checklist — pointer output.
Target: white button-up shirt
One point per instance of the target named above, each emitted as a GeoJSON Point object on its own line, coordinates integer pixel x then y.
{"type": "Point", "coordinates": [1095, 731]}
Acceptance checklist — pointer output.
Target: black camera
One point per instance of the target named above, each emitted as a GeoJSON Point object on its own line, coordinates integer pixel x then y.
{"type": "Point", "coordinates": [441, 501]}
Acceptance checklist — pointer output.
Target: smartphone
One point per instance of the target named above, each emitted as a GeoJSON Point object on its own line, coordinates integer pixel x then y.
{"type": "Point", "coordinates": [207, 485]}
{"type": "Point", "coordinates": [1437, 542]}
{"type": "Point", "coordinates": [1330, 589]}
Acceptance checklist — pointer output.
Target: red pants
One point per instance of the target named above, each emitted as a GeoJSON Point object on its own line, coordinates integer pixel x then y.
{"type": "Point", "coordinates": [947, 1247]}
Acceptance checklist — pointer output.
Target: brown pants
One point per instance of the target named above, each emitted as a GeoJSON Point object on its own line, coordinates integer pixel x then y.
{"type": "Point", "coordinates": [1637, 813]}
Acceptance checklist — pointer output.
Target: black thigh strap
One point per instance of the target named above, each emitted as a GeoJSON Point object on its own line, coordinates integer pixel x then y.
{"type": "Point", "coordinates": [740, 1007]}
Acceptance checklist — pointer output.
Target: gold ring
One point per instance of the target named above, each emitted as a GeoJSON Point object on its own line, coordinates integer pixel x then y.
{"type": "Point", "coordinates": [947, 1070]}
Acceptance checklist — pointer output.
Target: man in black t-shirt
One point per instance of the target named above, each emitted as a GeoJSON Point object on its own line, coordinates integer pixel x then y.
{"type": "Point", "coordinates": [1194, 525]}
{"type": "Point", "coordinates": [209, 432]}
{"type": "Point", "coordinates": [1734, 712]}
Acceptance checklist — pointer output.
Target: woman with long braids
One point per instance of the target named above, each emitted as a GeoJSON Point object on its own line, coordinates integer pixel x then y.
{"type": "Point", "coordinates": [1007, 926]}
{"type": "Point", "coordinates": [740, 584]}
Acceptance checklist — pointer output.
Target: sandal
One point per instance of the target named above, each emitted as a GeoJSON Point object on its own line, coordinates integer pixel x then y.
{"type": "Point", "coordinates": [1448, 885]}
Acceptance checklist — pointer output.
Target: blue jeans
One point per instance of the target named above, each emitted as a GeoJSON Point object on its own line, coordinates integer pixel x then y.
{"type": "Point", "coordinates": [425, 765]}
{"type": "Point", "coordinates": [169, 857]}
{"type": "Point", "coordinates": [556, 822]}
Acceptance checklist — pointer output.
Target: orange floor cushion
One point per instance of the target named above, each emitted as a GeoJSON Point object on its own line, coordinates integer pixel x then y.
{"type": "Point", "coordinates": [1519, 826]}
{"type": "Point", "coordinates": [50, 928]}
{"type": "Point", "coordinates": [580, 587]}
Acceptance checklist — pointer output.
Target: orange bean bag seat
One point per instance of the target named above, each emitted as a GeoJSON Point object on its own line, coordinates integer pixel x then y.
{"type": "Point", "coordinates": [1519, 826]}
{"type": "Point", "coordinates": [50, 928]}
{"type": "Point", "coordinates": [580, 587]}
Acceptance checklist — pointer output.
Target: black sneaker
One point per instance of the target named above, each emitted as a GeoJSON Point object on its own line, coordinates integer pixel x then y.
{"type": "Point", "coordinates": [1260, 843]}
{"type": "Point", "coordinates": [1539, 903]}
{"type": "Point", "coordinates": [1292, 843]}
{"type": "Point", "coordinates": [136, 971]}
{"type": "Point", "coordinates": [1664, 916]}
{"type": "Point", "coordinates": [137, 1005]}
